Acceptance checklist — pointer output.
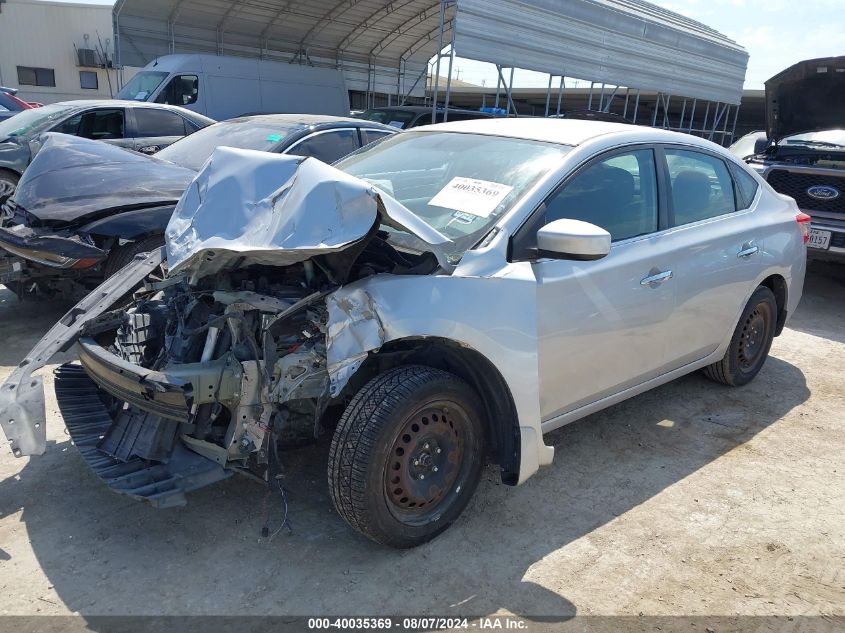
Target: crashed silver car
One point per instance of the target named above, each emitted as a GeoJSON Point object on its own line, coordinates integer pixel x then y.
{"type": "Point", "coordinates": [440, 298]}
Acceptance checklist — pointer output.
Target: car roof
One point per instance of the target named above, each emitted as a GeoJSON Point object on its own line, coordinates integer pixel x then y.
{"type": "Point", "coordinates": [560, 131]}
{"type": "Point", "coordinates": [310, 121]}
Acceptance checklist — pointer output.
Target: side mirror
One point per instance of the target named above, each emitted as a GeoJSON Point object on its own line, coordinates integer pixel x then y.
{"type": "Point", "coordinates": [572, 239]}
{"type": "Point", "coordinates": [760, 145]}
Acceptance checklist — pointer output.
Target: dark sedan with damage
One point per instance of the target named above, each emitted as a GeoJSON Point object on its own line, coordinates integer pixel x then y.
{"type": "Point", "coordinates": [84, 209]}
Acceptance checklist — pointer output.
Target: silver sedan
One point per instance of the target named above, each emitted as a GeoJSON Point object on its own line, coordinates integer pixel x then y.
{"type": "Point", "coordinates": [441, 297]}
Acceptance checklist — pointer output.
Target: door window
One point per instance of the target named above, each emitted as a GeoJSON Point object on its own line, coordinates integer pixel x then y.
{"type": "Point", "coordinates": [701, 186]}
{"type": "Point", "coordinates": [100, 125]}
{"type": "Point", "coordinates": [370, 136]}
{"type": "Point", "coordinates": [618, 194]}
{"type": "Point", "coordinates": [182, 90]}
{"type": "Point", "coordinates": [327, 146]}
{"type": "Point", "coordinates": [150, 122]}
{"type": "Point", "coordinates": [746, 186]}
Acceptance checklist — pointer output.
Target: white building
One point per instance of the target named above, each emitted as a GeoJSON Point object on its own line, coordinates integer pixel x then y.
{"type": "Point", "coordinates": [55, 51]}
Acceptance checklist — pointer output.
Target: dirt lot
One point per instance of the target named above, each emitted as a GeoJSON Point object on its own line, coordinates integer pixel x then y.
{"type": "Point", "coordinates": [691, 499]}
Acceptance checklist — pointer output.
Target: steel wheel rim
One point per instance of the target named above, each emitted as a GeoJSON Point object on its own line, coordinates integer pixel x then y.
{"type": "Point", "coordinates": [7, 189]}
{"type": "Point", "coordinates": [755, 333]}
{"type": "Point", "coordinates": [426, 464]}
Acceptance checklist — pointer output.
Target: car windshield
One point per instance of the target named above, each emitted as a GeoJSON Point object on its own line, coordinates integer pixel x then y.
{"type": "Point", "coordinates": [827, 138]}
{"type": "Point", "coordinates": [142, 85]}
{"type": "Point", "coordinates": [459, 184]}
{"type": "Point", "coordinates": [192, 151]}
{"type": "Point", "coordinates": [33, 120]}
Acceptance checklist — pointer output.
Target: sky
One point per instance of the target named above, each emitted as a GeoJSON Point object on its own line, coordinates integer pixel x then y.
{"type": "Point", "coordinates": [776, 34]}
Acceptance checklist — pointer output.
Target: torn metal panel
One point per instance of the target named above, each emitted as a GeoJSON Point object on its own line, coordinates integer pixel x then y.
{"type": "Point", "coordinates": [247, 207]}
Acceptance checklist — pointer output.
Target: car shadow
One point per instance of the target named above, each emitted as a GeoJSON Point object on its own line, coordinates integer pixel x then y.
{"type": "Point", "coordinates": [105, 554]}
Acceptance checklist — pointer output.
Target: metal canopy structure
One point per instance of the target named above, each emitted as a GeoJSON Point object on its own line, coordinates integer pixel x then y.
{"type": "Point", "coordinates": [384, 46]}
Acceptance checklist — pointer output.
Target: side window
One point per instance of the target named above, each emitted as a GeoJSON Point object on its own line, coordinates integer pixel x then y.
{"type": "Point", "coordinates": [327, 146]}
{"type": "Point", "coordinates": [370, 136]}
{"type": "Point", "coordinates": [70, 126]}
{"type": "Point", "coordinates": [102, 125]}
{"type": "Point", "coordinates": [150, 122]}
{"type": "Point", "coordinates": [182, 90]}
{"type": "Point", "coordinates": [746, 186]}
{"type": "Point", "coordinates": [618, 194]}
{"type": "Point", "coordinates": [701, 186]}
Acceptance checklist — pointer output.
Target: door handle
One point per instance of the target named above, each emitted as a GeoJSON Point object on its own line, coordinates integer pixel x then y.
{"type": "Point", "coordinates": [656, 279]}
{"type": "Point", "coordinates": [747, 251]}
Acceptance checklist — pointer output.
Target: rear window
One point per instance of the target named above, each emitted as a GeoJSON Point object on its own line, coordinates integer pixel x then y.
{"type": "Point", "coordinates": [746, 186]}
{"type": "Point", "coordinates": [192, 151]}
{"type": "Point", "coordinates": [151, 122]}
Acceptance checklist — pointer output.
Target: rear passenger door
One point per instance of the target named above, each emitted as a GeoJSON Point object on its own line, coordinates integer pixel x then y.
{"type": "Point", "coordinates": [717, 251]}
{"type": "Point", "coordinates": [156, 128]}
{"type": "Point", "coordinates": [99, 124]}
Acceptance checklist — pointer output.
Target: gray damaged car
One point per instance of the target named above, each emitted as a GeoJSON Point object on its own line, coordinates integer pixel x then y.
{"type": "Point", "coordinates": [442, 297]}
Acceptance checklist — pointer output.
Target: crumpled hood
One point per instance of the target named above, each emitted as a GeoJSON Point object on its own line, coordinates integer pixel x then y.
{"type": "Point", "coordinates": [250, 207]}
{"type": "Point", "coordinates": [806, 97]}
{"type": "Point", "coordinates": [72, 177]}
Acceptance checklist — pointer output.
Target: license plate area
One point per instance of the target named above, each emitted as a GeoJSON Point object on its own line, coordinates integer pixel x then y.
{"type": "Point", "coordinates": [819, 239]}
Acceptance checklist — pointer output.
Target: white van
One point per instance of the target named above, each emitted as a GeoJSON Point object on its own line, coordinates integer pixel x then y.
{"type": "Point", "coordinates": [226, 87]}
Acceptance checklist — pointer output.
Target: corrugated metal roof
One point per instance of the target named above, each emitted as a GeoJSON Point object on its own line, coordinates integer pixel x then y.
{"type": "Point", "coordinates": [384, 45]}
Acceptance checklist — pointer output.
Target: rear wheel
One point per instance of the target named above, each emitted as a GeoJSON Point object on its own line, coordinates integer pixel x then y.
{"type": "Point", "coordinates": [8, 185]}
{"type": "Point", "coordinates": [750, 343]}
{"type": "Point", "coordinates": [407, 455]}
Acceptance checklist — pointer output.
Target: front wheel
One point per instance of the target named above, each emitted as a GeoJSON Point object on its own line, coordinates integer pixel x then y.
{"type": "Point", "coordinates": [8, 185]}
{"type": "Point", "coordinates": [407, 455]}
{"type": "Point", "coordinates": [750, 343]}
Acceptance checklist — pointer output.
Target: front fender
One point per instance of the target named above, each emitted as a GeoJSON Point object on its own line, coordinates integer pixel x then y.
{"type": "Point", "coordinates": [494, 316]}
{"type": "Point", "coordinates": [131, 224]}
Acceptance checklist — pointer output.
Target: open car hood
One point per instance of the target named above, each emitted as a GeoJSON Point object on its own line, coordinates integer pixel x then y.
{"type": "Point", "coordinates": [806, 97]}
{"type": "Point", "coordinates": [250, 207]}
{"type": "Point", "coordinates": [73, 177]}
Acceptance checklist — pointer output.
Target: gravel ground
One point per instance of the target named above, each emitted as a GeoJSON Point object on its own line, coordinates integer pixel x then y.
{"type": "Point", "coordinates": [692, 499]}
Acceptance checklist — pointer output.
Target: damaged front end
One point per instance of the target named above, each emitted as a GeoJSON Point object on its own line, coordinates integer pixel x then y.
{"type": "Point", "coordinates": [187, 377]}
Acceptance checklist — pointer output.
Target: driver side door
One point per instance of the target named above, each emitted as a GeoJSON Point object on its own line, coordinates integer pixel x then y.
{"type": "Point", "coordinates": [600, 323]}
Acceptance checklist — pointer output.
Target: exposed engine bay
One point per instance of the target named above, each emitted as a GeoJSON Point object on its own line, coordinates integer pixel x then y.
{"type": "Point", "coordinates": [250, 348]}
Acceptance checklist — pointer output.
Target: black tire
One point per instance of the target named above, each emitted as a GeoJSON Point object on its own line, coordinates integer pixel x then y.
{"type": "Point", "coordinates": [377, 486]}
{"type": "Point", "coordinates": [750, 343]}
{"type": "Point", "coordinates": [120, 256]}
{"type": "Point", "coordinates": [8, 184]}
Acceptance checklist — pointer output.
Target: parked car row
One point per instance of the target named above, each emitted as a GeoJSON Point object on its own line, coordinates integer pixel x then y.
{"type": "Point", "coordinates": [441, 297]}
{"type": "Point", "coordinates": [83, 209]}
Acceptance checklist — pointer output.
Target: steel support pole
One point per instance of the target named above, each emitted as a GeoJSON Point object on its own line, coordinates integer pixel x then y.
{"type": "Point", "coordinates": [590, 101]}
{"type": "Point", "coordinates": [683, 113]}
{"type": "Point", "coordinates": [636, 106]}
{"type": "Point", "coordinates": [656, 107]}
{"type": "Point", "coordinates": [704, 125]}
{"type": "Point", "coordinates": [442, 20]}
{"type": "Point", "coordinates": [507, 89]}
{"type": "Point", "coordinates": [692, 116]}
{"type": "Point", "coordinates": [625, 110]}
{"type": "Point", "coordinates": [601, 98]}
{"type": "Point", "coordinates": [548, 96]}
{"type": "Point", "coordinates": [560, 90]}
{"type": "Point", "coordinates": [733, 128]}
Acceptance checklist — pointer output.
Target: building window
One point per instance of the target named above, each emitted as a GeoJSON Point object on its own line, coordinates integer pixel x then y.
{"type": "Point", "coordinates": [88, 80]}
{"type": "Point", "coordinates": [29, 76]}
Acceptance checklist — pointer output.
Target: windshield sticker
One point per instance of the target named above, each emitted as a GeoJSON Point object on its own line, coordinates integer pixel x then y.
{"type": "Point", "coordinates": [396, 124]}
{"type": "Point", "coordinates": [275, 138]}
{"type": "Point", "coordinates": [141, 95]}
{"type": "Point", "coordinates": [476, 197]}
{"type": "Point", "coordinates": [463, 218]}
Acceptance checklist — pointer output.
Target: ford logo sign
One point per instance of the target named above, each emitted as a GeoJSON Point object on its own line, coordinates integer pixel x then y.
{"type": "Point", "coordinates": [823, 192]}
